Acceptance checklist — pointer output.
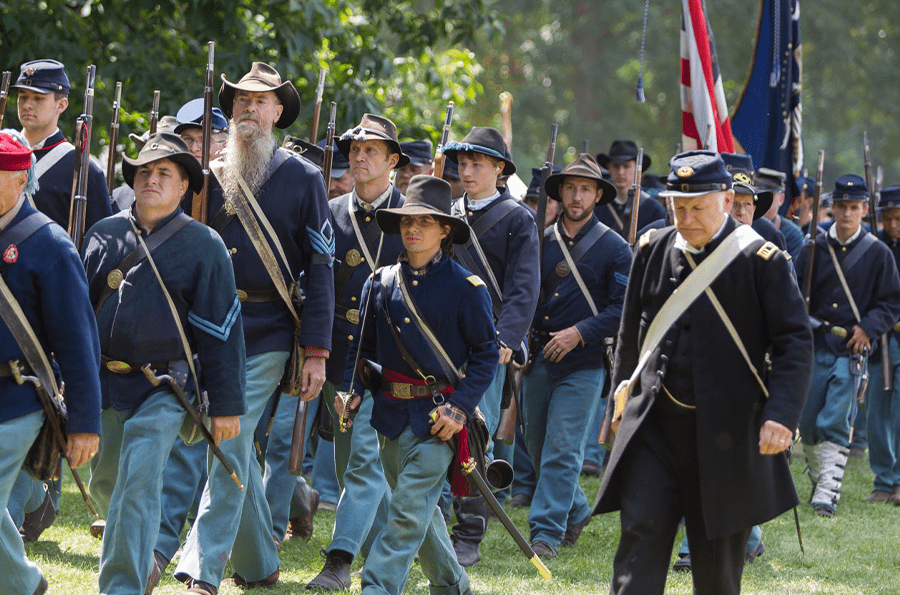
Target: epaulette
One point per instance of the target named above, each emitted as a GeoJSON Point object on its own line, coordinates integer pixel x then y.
{"type": "Point", "coordinates": [645, 239]}
{"type": "Point", "coordinates": [767, 250]}
{"type": "Point", "coordinates": [475, 280]}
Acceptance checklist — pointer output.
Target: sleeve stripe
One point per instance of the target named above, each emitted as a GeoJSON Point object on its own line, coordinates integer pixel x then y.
{"type": "Point", "coordinates": [219, 332]}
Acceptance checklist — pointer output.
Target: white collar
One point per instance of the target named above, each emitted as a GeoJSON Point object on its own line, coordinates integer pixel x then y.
{"type": "Point", "coordinates": [371, 206]}
{"type": "Point", "coordinates": [40, 145]}
{"type": "Point", "coordinates": [481, 203]}
{"type": "Point", "coordinates": [682, 244]}
{"type": "Point", "coordinates": [832, 233]}
{"type": "Point", "coordinates": [7, 217]}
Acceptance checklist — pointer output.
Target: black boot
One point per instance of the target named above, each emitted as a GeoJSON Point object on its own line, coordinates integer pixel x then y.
{"type": "Point", "coordinates": [335, 575]}
{"type": "Point", "coordinates": [468, 532]}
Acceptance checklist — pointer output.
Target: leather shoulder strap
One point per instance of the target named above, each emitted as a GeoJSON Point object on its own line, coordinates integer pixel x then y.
{"type": "Point", "coordinates": [573, 265]}
{"type": "Point", "coordinates": [22, 230]}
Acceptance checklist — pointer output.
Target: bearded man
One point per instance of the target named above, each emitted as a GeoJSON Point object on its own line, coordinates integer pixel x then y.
{"type": "Point", "coordinates": [258, 182]}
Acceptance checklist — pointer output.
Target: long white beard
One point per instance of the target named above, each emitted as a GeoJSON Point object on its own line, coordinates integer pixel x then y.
{"type": "Point", "coordinates": [250, 151]}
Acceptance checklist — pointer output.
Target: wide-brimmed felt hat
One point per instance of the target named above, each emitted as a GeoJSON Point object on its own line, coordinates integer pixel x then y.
{"type": "Point", "coordinates": [260, 79]}
{"type": "Point", "coordinates": [890, 198]}
{"type": "Point", "coordinates": [695, 173]}
{"type": "Point", "coordinates": [623, 151]}
{"type": "Point", "coordinates": [486, 140]}
{"type": "Point", "coordinates": [583, 166]}
{"type": "Point", "coordinates": [165, 145]}
{"type": "Point", "coordinates": [372, 127]}
{"type": "Point", "coordinates": [165, 124]}
{"type": "Point", "coordinates": [426, 195]}
{"type": "Point", "coordinates": [190, 115]}
{"type": "Point", "coordinates": [42, 76]}
{"type": "Point", "coordinates": [850, 187]}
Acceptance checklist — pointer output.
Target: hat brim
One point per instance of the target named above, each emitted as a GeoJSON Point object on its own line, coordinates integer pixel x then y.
{"type": "Point", "coordinates": [186, 160]}
{"type": "Point", "coordinates": [343, 146]}
{"type": "Point", "coordinates": [286, 93]}
{"type": "Point", "coordinates": [182, 127]}
{"type": "Point", "coordinates": [763, 198]}
{"type": "Point", "coordinates": [389, 220]}
{"type": "Point", "coordinates": [554, 180]}
{"type": "Point", "coordinates": [603, 159]}
{"type": "Point", "coordinates": [509, 168]}
{"type": "Point", "coordinates": [41, 90]}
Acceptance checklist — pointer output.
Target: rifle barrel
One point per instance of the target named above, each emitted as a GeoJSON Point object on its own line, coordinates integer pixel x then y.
{"type": "Point", "coordinates": [320, 91]}
{"type": "Point", "coordinates": [113, 140]}
{"type": "Point", "coordinates": [813, 230]}
{"type": "Point", "coordinates": [636, 201]}
{"type": "Point", "coordinates": [4, 91]}
{"type": "Point", "coordinates": [200, 202]}
{"type": "Point", "coordinates": [154, 112]}
{"type": "Point", "coordinates": [328, 160]}
{"type": "Point", "coordinates": [445, 136]}
{"type": "Point", "coordinates": [78, 207]}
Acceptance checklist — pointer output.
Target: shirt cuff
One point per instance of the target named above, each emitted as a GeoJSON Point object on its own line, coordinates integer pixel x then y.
{"type": "Point", "coordinates": [313, 351]}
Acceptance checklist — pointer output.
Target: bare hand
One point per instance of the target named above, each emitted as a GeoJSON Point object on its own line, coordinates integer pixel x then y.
{"type": "Point", "coordinates": [353, 404]}
{"type": "Point", "coordinates": [561, 343]}
{"type": "Point", "coordinates": [81, 447]}
{"type": "Point", "coordinates": [224, 428]}
{"type": "Point", "coordinates": [505, 355]}
{"type": "Point", "coordinates": [858, 341]}
{"type": "Point", "coordinates": [445, 427]}
{"type": "Point", "coordinates": [313, 378]}
{"type": "Point", "coordinates": [774, 438]}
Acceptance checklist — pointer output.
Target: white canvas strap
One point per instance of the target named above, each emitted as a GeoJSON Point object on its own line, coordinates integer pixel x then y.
{"type": "Point", "coordinates": [52, 158]}
{"type": "Point", "coordinates": [575, 273]}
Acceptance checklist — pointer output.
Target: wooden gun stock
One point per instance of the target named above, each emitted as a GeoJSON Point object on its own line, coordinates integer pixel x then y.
{"type": "Point", "coordinates": [83, 126]}
{"type": "Point", "coordinates": [298, 439]}
{"type": "Point", "coordinates": [200, 202]}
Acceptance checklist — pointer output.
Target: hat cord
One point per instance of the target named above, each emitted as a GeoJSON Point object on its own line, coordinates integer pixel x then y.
{"type": "Point", "coordinates": [640, 83]}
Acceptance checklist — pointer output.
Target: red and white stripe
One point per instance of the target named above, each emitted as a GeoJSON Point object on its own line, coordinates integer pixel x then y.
{"type": "Point", "coordinates": [704, 114]}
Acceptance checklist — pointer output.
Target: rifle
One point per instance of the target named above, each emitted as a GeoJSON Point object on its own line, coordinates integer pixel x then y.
{"type": "Point", "coordinates": [445, 136]}
{"type": "Point", "coordinates": [814, 230]}
{"type": "Point", "coordinates": [83, 125]}
{"type": "Point", "coordinates": [320, 90]}
{"type": "Point", "coordinates": [328, 159]}
{"type": "Point", "coordinates": [113, 140]}
{"type": "Point", "coordinates": [506, 99]}
{"type": "Point", "coordinates": [546, 171]}
{"type": "Point", "coordinates": [200, 202]}
{"type": "Point", "coordinates": [887, 377]}
{"type": "Point", "coordinates": [154, 112]}
{"type": "Point", "coordinates": [636, 203]}
{"type": "Point", "coordinates": [4, 91]}
{"type": "Point", "coordinates": [886, 371]}
{"type": "Point", "coordinates": [584, 145]}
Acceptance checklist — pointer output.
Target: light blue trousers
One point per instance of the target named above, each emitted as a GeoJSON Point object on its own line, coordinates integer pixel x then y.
{"type": "Point", "coordinates": [883, 411]}
{"type": "Point", "coordinates": [826, 415]}
{"type": "Point", "coordinates": [183, 480]}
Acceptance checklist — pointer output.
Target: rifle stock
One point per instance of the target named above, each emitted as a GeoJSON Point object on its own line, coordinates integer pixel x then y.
{"type": "Point", "coordinates": [113, 140]}
{"type": "Point", "coordinates": [320, 90]}
{"type": "Point", "coordinates": [200, 202]}
{"type": "Point", "coordinates": [445, 136]}
{"type": "Point", "coordinates": [83, 126]}
{"type": "Point", "coordinates": [607, 437]}
{"type": "Point", "coordinates": [4, 91]}
{"type": "Point", "coordinates": [298, 440]}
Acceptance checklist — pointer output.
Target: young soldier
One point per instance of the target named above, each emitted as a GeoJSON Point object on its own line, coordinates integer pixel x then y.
{"type": "Point", "coordinates": [622, 165]}
{"type": "Point", "coordinates": [373, 152]}
{"type": "Point", "coordinates": [701, 435]}
{"type": "Point", "coordinates": [582, 305]}
{"type": "Point", "coordinates": [45, 276]}
{"type": "Point", "coordinates": [855, 287]}
{"type": "Point", "coordinates": [504, 252]}
{"type": "Point", "coordinates": [419, 408]}
{"type": "Point", "coordinates": [291, 195]}
{"type": "Point", "coordinates": [42, 96]}
{"type": "Point", "coordinates": [137, 327]}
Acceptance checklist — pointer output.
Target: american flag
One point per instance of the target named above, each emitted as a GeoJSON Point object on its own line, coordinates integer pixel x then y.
{"type": "Point", "coordinates": [704, 114]}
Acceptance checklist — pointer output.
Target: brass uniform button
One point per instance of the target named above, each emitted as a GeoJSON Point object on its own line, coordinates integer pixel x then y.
{"type": "Point", "coordinates": [406, 320]}
{"type": "Point", "coordinates": [234, 250]}
{"type": "Point", "coordinates": [114, 278]}
{"type": "Point", "coordinates": [415, 283]}
{"type": "Point", "coordinates": [834, 305]}
{"type": "Point", "coordinates": [353, 299]}
{"type": "Point", "coordinates": [349, 337]}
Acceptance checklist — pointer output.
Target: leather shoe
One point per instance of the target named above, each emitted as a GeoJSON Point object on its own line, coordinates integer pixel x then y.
{"type": "Point", "coordinates": [591, 469]}
{"type": "Point", "coordinates": [823, 510]}
{"type": "Point", "coordinates": [201, 588]}
{"type": "Point", "coordinates": [878, 496]}
{"type": "Point", "coordinates": [36, 522]}
{"type": "Point", "coordinates": [302, 527]}
{"type": "Point", "coordinates": [97, 528]}
{"type": "Point", "coordinates": [42, 587]}
{"type": "Point", "coordinates": [468, 553]}
{"type": "Point", "coordinates": [895, 497]}
{"type": "Point", "coordinates": [266, 582]}
{"type": "Point", "coordinates": [573, 532]}
{"type": "Point", "coordinates": [758, 551]}
{"type": "Point", "coordinates": [153, 579]}
{"type": "Point", "coordinates": [544, 550]}
{"type": "Point", "coordinates": [519, 500]}
{"type": "Point", "coordinates": [335, 574]}
{"type": "Point", "coordinates": [682, 564]}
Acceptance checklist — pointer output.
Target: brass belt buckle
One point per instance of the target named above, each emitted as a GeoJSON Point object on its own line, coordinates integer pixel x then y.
{"type": "Point", "coordinates": [242, 295]}
{"type": "Point", "coordinates": [400, 390]}
{"type": "Point", "coordinates": [353, 316]}
{"type": "Point", "coordinates": [117, 367]}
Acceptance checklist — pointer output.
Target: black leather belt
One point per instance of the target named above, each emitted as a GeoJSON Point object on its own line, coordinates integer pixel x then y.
{"type": "Point", "coordinates": [351, 315]}
{"type": "Point", "coordinates": [258, 295]}
{"type": "Point", "coordinates": [402, 390]}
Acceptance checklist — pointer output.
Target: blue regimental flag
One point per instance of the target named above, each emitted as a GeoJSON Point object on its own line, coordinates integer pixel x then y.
{"type": "Point", "coordinates": [767, 120]}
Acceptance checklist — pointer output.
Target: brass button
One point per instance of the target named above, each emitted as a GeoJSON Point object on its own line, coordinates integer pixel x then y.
{"type": "Point", "coordinates": [234, 250]}
{"type": "Point", "coordinates": [362, 259]}
{"type": "Point", "coordinates": [471, 214]}
{"type": "Point", "coordinates": [555, 295]}
{"type": "Point", "coordinates": [368, 219]}
{"type": "Point", "coordinates": [349, 337]}
{"type": "Point", "coordinates": [353, 299]}
{"type": "Point", "coordinates": [843, 248]}
{"type": "Point", "coordinates": [571, 243]}
{"type": "Point", "coordinates": [406, 320]}
{"type": "Point", "coordinates": [415, 283]}
{"type": "Point", "coordinates": [834, 305]}
{"type": "Point", "coordinates": [546, 318]}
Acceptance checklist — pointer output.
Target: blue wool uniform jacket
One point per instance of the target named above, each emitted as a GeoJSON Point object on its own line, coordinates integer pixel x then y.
{"type": "Point", "coordinates": [873, 281]}
{"type": "Point", "coordinates": [793, 237]}
{"type": "Point", "coordinates": [342, 208]}
{"type": "Point", "coordinates": [54, 197]}
{"type": "Point", "coordinates": [136, 323]}
{"type": "Point", "coordinates": [604, 269]}
{"type": "Point", "coordinates": [649, 211]}
{"type": "Point", "coordinates": [457, 307]}
{"type": "Point", "coordinates": [770, 233]}
{"type": "Point", "coordinates": [739, 486]}
{"type": "Point", "coordinates": [894, 246]}
{"type": "Point", "coordinates": [511, 248]}
{"type": "Point", "coordinates": [293, 199]}
{"type": "Point", "coordinates": [48, 281]}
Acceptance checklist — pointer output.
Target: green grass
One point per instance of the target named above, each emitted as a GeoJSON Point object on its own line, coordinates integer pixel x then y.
{"type": "Point", "coordinates": [853, 553]}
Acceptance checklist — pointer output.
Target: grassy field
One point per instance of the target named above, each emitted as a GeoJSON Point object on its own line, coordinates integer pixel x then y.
{"type": "Point", "coordinates": [853, 553]}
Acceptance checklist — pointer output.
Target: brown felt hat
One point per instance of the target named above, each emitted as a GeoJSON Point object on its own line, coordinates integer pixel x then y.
{"type": "Point", "coordinates": [584, 166]}
{"type": "Point", "coordinates": [426, 195]}
{"type": "Point", "coordinates": [164, 145]}
{"type": "Point", "coordinates": [260, 79]}
{"type": "Point", "coordinates": [372, 127]}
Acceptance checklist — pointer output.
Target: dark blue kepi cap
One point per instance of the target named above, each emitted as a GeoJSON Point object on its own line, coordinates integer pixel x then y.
{"type": "Point", "coordinates": [890, 198]}
{"type": "Point", "coordinates": [695, 173]}
{"type": "Point", "coordinates": [190, 115]}
{"type": "Point", "coordinates": [534, 188]}
{"type": "Point", "coordinates": [43, 76]}
{"type": "Point", "coordinates": [419, 152]}
{"type": "Point", "coordinates": [850, 187]}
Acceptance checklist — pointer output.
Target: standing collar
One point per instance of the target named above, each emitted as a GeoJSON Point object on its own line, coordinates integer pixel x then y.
{"type": "Point", "coordinates": [40, 145]}
{"type": "Point", "coordinates": [365, 206]}
{"type": "Point", "coordinates": [7, 217]}
{"type": "Point", "coordinates": [832, 233]}
{"type": "Point", "coordinates": [481, 203]}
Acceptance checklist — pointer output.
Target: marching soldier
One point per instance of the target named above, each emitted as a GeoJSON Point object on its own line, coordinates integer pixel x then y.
{"type": "Point", "coordinates": [773, 181]}
{"type": "Point", "coordinates": [621, 161]}
{"type": "Point", "coordinates": [855, 287]}
{"type": "Point", "coordinates": [260, 185]}
{"type": "Point", "coordinates": [142, 264]}
{"type": "Point", "coordinates": [373, 152]}
{"type": "Point", "coordinates": [584, 274]}
{"type": "Point", "coordinates": [423, 401]}
{"type": "Point", "coordinates": [701, 435]}
{"type": "Point", "coordinates": [421, 162]}
{"type": "Point", "coordinates": [42, 96]}
{"type": "Point", "coordinates": [503, 251]}
{"type": "Point", "coordinates": [42, 274]}
{"type": "Point", "coordinates": [190, 129]}
{"type": "Point", "coordinates": [751, 203]}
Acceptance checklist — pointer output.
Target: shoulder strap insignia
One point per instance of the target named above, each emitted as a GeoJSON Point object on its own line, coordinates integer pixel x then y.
{"type": "Point", "coordinates": [767, 250]}
{"type": "Point", "coordinates": [645, 239]}
{"type": "Point", "coordinates": [475, 280]}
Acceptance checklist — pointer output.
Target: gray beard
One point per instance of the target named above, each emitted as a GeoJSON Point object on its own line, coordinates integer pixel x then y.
{"type": "Point", "coordinates": [249, 155]}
